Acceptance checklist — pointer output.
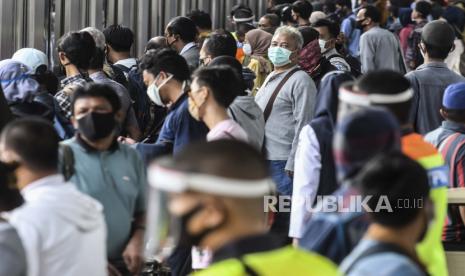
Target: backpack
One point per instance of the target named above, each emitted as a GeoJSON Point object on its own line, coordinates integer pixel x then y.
{"type": "Point", "coordinates": [66, 157]}
{"type": "Point", "coordinates": [413, 57]}
{"type": "Point", "coordinates": [354, 63]}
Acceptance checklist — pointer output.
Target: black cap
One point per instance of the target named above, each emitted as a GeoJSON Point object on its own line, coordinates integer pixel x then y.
{"type": "Point", "coordinates": [438, 33]}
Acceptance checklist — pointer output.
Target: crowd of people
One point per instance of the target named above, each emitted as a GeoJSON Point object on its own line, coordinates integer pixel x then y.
{"type": "Point", "coordinates": [222, 151]}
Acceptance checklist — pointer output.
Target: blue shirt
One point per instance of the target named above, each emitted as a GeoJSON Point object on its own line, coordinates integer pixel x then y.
{"type": "Point", "coordinates": [117, 179]}
{"type": "Point", "coordinates": [352, 34]}
{"type": "Point", "coordinates": [179, 129]}
{"type": "Point", "coordinates": [381, 264]}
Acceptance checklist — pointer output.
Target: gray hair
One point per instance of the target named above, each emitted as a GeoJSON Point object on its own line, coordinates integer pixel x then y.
{"type": "Point", "coordinates": [98, 36]}
{"type": "Point", "coordinates": [291, 32]}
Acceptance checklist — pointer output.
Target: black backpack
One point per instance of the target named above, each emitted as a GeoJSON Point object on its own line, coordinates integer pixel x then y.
{"type": "Point", "coordinates": [354, 63]}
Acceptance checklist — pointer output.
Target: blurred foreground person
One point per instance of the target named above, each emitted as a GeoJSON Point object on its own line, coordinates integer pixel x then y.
{"type": "Point", "coordinates": [216, 190]}
{"type": "Point", "coordinates": [62, 229]}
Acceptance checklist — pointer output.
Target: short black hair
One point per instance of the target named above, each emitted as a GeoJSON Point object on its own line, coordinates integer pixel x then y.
{"type": "Point", "coordinates": [120, 38]}
{"type": "Point", "coordinates": [79, 48]}
{"type": "Point", "coordinates": [373, 13]}
{"type": "Point", "coordinates": [333, 28]}
{"type": "Point", "coordinates": [308, 33]}
{"type": "Point", "coordinates": [201, 19]}
{"type": "Point", "coordinates": [303, 8]}
{"type": "Point", "coordinates": [97, 90]}
{"type": "Point", "coordinates": [455, 115]}
{"type": "Point", "coordinates": [152, 44]}
{"type": "Point", "coordinates": [424, 8]}
{"type": "Point", "coordinates": [397, 178]}
{"type": "Point", "coordinates": [234, 64]}
{"type": "Point", "coordinates": [166, 60]}
{"type": "Point", "coordinates": [222, 81]}
{"type": "Point", "coordinates": [220, 43]}
{"type": "Point", "coordinates": [285, 13]}
{"type": "Point", "coordinates": [388, 82]}
{"type": "Point", "coordinates": [183, 27]}
{"type": "Point", "coordinates": [243, 28]}
{"type": "Point", "coordinates": [273, 18]}
{"type": "Point", "coordinates": [35, 141]}
{"type": "Point", "coordinates": [224, 158]}
{"type": "Point", "coordinates": [98, 59]}
{"type": "Point", "coordinates": [241, 11]}
{"type": "Point", "coordinates": [437, 52]}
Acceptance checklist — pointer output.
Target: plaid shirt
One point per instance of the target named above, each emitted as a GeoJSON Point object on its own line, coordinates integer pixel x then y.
{"type": "Point", "coordinates": [63, 97]}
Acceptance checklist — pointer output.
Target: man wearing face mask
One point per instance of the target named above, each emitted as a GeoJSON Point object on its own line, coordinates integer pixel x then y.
{"type": "Point", "coordinates": [379, 48]}
{"type": "Point", "coordinates": [110, 172]}
{"type": "Point", "coordinates": [62, 230]}
{"type": "Point", "coordinates": [328, 34]}
{"type": "Point", "coordinates": [216, 192]}
{"type": "Point", "coordinates": [167, 75]}
{"type": "Point", "coordinates": [181, 34]}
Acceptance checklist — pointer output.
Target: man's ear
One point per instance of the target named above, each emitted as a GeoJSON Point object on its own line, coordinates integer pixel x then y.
{"type": "Point", "coordinates": [63, 58]}
{"type": "Point", "coordinates": [443, 113]}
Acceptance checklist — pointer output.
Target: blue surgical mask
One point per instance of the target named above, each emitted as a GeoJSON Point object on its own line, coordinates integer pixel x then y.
{"type": "Point", "coordinates": [279, 56]}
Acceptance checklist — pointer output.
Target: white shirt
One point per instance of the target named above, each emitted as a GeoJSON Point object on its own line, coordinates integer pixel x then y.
{"type": "Point", "coordinates": [306, 180]}
{"type": "Point", "coordinates": [128, 63]}
{"type": "Point", "coordinates": [62, 230]}
{"type": "Point", "coordinates": [187, 47]}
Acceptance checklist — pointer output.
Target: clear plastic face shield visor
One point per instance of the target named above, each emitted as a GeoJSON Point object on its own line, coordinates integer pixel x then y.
{"type": "Point", "coordinates": [170, 198]}
{"type": "Point", "coordinates": [351, 99]}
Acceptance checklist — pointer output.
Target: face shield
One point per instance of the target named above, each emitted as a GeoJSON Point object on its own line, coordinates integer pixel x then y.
{"type": "Point", "coordinates": [173, 201]}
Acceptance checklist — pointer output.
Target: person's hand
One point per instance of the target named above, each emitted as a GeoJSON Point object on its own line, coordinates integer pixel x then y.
{"type": "Point", "coordinates": [290, 173]}
{"type": "Point", "coordinates": [132, 255]}
{"type": "Point", "coordinates": [126, 140]}
{"type": "Point", "coordinates": [112, 271]}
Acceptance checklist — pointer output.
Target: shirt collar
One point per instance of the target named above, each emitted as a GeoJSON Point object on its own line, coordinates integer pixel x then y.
{"type": "Point", "coordinates": [98, 75]}
{"type": "Point", "coordinates": [247, 245]}
{"type": "Point", "coordinates": [432, 64]}
{"type": "Point", "coordinates": [71, 79]}
{"type": "Point", "coordinates": [455, 127]}
{"type": "Point", "coordinates": [275, 75]}
{"type": "Point", "coordinates": [187, 47]}
{"type": "Point", "coordinates": [50, 180]}
{"type": "Point", "coordinates": [128, 62]}
{"type": "Point", "coordinates": [114, 146]}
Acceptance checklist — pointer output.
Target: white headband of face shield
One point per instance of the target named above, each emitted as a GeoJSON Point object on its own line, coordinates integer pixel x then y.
{"type": "Point", "coordinates": [351, 97]}
{"type": "Point", "coordinates": [241, 20]}
{"type": "Point", "coordinates": [176, 182]}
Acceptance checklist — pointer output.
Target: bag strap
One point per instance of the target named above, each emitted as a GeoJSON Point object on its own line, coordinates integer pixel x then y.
{"type": "Point", "coordinates": [67, 161]}
{"type": "Point", "coordinates": [269, 105]}
{"type": "Point", "coordinates": [380, 248]}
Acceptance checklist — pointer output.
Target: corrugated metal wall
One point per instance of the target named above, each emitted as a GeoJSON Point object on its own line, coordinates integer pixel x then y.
{"type": "Point", "coordinates": [36, 23]}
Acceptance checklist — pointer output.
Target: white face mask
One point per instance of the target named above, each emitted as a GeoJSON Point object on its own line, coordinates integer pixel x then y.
{"type": "Point", "coordinates": [247, 49]}
{"type": "Point", "coordinates": [153, 91]}
{"type": "Point", "coordinates": [322, 45]}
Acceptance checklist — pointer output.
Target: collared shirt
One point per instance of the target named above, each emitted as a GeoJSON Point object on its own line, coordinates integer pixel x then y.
{"type": "Point", "coordinates": [117, 179]}
{"type": "Point", "coordinates": [306, 180]}
{"type": "Point", "coordinates": [187, 47]}
{"type": "Point", "coordinates": [126, 101]}
{"type": "Point", "coordinates": [13, 260]}
{"type": "Point", "coordinates": [427, 94]}
{"type": "Point", "coordinates": [227, 129]}
{"type": "Point", "coordinates": [380, 49]}
{"type": "Point", "coordinates": [128, 62]}
{"type": "Point", "coordinates": [62, 229]}
{"type": "Point", "coordinates": [292, 109]}
{"type": "Point", "coordinates": [63, 96]}
{"type": "Point", "coordinates": [391, 263]}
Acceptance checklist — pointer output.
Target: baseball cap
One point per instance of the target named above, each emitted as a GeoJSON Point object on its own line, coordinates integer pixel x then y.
{"type": "Point", "coordinates": [454, 96]}
{"type": "Point", "coordinates": [31, 57]}
{"type": "Point", "coordinates": [438, 33]}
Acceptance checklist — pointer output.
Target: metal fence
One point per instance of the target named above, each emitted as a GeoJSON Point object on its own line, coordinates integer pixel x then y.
{"type": "Point", "coordinates": [38, 23]}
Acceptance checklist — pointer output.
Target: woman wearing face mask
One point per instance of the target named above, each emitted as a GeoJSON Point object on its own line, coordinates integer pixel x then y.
{"type": "Point", "coordinates": [212, 91]}
{"type": "Point", "coordinates": [255, 48]}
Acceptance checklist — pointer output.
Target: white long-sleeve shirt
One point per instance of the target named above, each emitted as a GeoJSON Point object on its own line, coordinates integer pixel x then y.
{"type": "Point", "coordinates": [306, 180]}
{"type": "Point", "coordinates": [62, 230]}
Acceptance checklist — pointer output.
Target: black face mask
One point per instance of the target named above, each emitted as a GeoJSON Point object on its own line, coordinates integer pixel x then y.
{"type": "Point", "coordinates": [359, 25]}
{"type": "Point", "coordinates": [95, 126]}
{"type": "Point", "coordinates": [187, 239]}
